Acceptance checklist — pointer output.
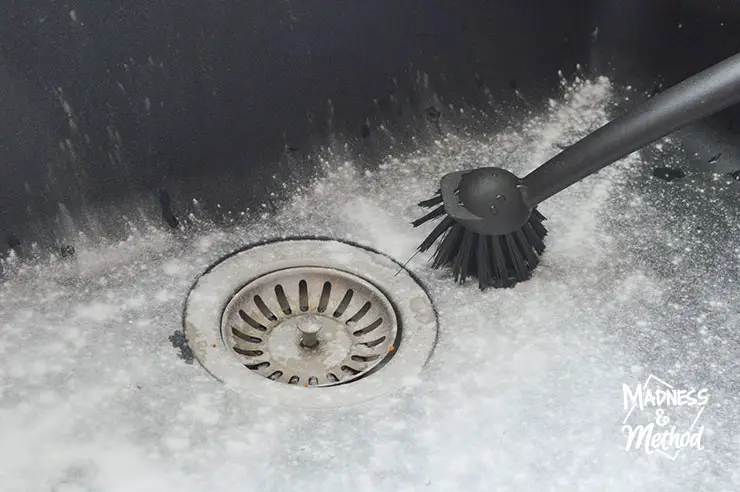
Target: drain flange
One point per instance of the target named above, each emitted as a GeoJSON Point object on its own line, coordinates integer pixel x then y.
{"type": "Point", "coordinates": [313, 326]}
{"type": "Point", "coordinates": [310, 323]}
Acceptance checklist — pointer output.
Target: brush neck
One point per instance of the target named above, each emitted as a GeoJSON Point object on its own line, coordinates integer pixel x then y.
{"type": "Point", "coordinates": [702, 95]}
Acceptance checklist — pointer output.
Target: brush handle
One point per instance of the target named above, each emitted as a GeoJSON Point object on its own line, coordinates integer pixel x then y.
{"type": "Point", "coordinates": [697, 97]}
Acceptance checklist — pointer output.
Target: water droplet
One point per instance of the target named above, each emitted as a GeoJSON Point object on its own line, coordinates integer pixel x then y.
{"type": "Point", "coordinates": [501, 198]}
{"type": "Point", "coordinates": [494, 210]}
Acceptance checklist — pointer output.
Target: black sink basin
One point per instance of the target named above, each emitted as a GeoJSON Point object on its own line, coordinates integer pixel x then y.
{"type": "Point", "coordinates": [109, 104]}
{"type": "Point", "coordinates": [144, 143]}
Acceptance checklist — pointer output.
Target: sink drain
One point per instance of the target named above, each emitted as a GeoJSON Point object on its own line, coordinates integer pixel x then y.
{"type": "Point", "coordinates": [310, 323]}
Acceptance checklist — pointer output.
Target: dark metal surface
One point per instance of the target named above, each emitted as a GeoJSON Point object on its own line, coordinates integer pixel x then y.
{"type": "Point", "coordinates": [107, 102]}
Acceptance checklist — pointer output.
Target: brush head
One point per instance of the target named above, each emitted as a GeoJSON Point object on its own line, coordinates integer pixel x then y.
{"type": "Point", "coordinates": [487, 231]}
{"type": "Point", "coordinates": [494, 196]}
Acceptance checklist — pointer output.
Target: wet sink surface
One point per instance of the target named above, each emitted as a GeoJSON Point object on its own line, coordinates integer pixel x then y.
{"type": "Point", "coordinates": [523, 392]}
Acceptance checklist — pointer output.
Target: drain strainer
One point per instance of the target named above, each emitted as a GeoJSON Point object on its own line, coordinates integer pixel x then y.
{"type": "Point", "coordinates": [313, 326]}
{"type": "Point", "coordinates": [310, 323]}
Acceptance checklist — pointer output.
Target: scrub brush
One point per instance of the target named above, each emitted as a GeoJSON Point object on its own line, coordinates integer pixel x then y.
{"type": "Point", "coordinates": [490, 228]}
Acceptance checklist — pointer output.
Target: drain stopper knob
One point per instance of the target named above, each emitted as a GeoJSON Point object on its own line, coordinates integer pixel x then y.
{"type": "Point", "coordinates": [309, 331]}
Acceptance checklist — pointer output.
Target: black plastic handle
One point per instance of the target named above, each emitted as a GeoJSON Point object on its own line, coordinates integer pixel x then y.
{"type": "Point", "coordinates": [697, 97]}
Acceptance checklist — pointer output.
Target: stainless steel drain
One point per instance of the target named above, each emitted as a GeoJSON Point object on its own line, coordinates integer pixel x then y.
{"type": "Point", "coordinates": [313, 326]}
{"type": "Point", "coordinates": [310, 323]}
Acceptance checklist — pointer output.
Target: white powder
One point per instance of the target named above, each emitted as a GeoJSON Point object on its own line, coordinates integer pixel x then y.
{"type": "Point", "coordinates": [523, 391]}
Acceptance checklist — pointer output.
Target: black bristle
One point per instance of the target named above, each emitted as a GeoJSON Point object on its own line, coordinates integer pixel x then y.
{"type": "Point", "coordinates": [435, 200]}
{"type": "Point", "coordinates": [449, 248]}
{"type": "Point", "coordinates": [500, 270]}
{"type": "Point", "coordinates": [441, 228]}
{"type": "Point", "coordinates": [437, 212]}
{"type": "Point", "coordinates": [533, 239]}
{"type": "Point", "coordinates": [496, 261]}
{"type": "Point", "coordinates": [483, 259]}
{"type": "Point", "coordinates": [536, 224]}
{"type": "Point", "coordinates": [516, 259]}
{"type": "Point", "coordinates": [462, 261]}
{"type": "Point", "coordinates": [529, 253]}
